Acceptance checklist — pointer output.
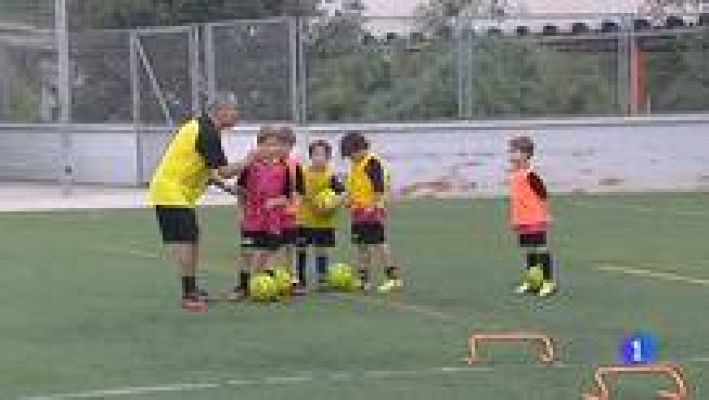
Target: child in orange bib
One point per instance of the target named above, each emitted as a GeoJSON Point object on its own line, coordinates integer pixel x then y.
{"type": "Point", "coordinates": [529, 215]}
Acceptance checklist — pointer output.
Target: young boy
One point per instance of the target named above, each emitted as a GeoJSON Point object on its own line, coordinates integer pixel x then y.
{"type": "Point", "coordinates": [317, 226]}
{"type": "Point", "coordinates": [266, 188]}
{"type": "Point", "coordinates": [290, 228]}
{"type": "Point", "coordinates": [529, 213]}
{"type": "Point", "coordinates": [367, 186]}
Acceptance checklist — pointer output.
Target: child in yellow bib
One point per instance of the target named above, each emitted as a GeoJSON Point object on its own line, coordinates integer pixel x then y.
{"type": "Point", "coordinates": [367, 187]}
{"type": "Point", "coordinates": [317, 222]}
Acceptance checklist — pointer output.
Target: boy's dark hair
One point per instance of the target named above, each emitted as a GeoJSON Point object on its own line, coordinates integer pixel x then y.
{"type": "Point", "coordinates": [523, 144]}
{"type": "Point", "coordinates": [287, 135]}
{"type": "Point", "coordinates": [353, 142]}
{"type": "Point", "coordinates": [267, 132]}
{"type": "Point", "coordinates": [322, 144]}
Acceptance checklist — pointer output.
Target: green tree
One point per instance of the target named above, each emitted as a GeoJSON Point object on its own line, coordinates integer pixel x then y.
{"type": "Point", "coordinates": [515, 78]}
{"type": "Point", "coordinates": [133, 13]}
{"type": "Point", "coordinates": [678, 75]}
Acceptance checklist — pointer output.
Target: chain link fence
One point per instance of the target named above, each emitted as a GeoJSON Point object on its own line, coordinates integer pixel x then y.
{"type": "Point", "coordinates": [355, 69]}
{"type": "Point", "coordinates": [100, 76]}
{"type": "Point", "coordinates": [256, 60]}
{"type": "Point", "coordinates": [28, 61]}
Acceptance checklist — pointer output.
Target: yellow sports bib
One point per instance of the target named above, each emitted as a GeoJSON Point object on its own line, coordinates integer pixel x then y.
{"type": "Point", "coordinates": [360, 186]}
{"type": "Point", "coordinates": [315, 182]}
{"type": "Point", "coordinates": [180, 179]}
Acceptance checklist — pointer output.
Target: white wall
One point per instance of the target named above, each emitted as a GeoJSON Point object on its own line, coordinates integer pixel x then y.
{"type": "Point", "coordinates": [456, 159]}
{"type": "Point", "coordinates": [577, 6]}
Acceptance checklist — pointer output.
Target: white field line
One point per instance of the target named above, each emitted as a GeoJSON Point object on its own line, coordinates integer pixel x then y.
{"type": "Point", "coordinates": [286, 380]}
{"type": "Point", "coordinates": [665, 276]}
{"type": "Point", "coordinates": [265, 381]}
{"type": "Point", "coordinates": [131, 251]}
{"type": "Point", "coordinates": [128, 391]}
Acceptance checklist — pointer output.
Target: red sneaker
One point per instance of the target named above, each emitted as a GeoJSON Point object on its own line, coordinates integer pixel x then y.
{"type": "Point", "coordinates": [194, 305]}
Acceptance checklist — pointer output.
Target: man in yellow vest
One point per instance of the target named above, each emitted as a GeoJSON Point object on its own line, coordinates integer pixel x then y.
{"type": "Point", "coordinates": [194, 159]}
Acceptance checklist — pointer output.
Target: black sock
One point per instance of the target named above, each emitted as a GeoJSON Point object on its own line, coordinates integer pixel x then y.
{"type": "Point", "coordinates": [547, 266]}
{"type": "Point", "coordinates": [301, 266]}
{"type": "Point", "coordinates": [244, 277]}
{"type": "Point", "coordinates": [189, 286]}
{"type": "Point", "coordinates": [363, 276]}
{"type": "Point", "coordinates": [533, 260]}
{"type": "Point", "coordinates": [392, 272]}
{"type": "Point", "coordinates": [321, 264]}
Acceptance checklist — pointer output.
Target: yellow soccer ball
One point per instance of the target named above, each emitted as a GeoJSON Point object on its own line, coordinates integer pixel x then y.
{"type": "Point", "coordinates": [283, 280]}
{"type": "Point", "coordinates": [535, 278]}
{"type": "Point", "coordinates": [262, 288]}
{"type": "Point", "coordinates": [341, 277]}
{"type": "Point", "coordinates": [326, 200]}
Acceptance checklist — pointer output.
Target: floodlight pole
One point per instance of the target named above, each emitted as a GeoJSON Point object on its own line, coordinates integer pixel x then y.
{"type": "Point", "coordinates": [61, 36]}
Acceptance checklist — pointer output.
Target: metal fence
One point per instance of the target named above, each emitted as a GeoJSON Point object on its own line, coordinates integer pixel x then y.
{"type": "Point", "coordinates": [336, 69]}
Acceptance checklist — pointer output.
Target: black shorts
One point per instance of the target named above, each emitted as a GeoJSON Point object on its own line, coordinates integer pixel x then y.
{"type": "Point", "coordinates": [260, 241]}
{"type": "Point", "coordinates": [536, 239]}
{"type": "Point", "coordinates": [368, 233]}
{"type": "Point", "coordinates": [177, 224]}
{"type": "Point", "coordinates": [289, 237]}
{"type": "Point", "coordinates": [317, 237]}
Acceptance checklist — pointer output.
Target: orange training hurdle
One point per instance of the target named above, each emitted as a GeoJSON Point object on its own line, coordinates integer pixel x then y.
{"type": "Point", "coordinates": [604, 374]}
{"type": "Point", "coordinates": [545, 346]}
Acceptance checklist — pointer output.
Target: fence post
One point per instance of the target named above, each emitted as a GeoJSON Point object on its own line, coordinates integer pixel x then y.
{"type": "Point", "coordinates": [460, 65]}
{"type": "Point", "coordinates": [303, 71]}
{"type": "Point", "coordinates": [195, 73]}
{"type": "Point", "coordinates": [293, 51]}
{"type": "Point", "coordinates": [135, 104]}
{"type": "Point", "coordinates": [210, 61]}
{"type": "Point", "coordinates": [61, 36]}
{"type": "Point", "coordinates": [625, 38]}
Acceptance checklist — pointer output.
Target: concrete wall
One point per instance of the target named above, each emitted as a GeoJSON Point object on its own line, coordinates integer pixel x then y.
{"type": "Point", "coordinates": [608, 154]}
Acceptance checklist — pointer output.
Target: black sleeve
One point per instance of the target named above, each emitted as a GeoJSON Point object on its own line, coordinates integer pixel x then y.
{"type": "Point", "coordinates": [375, 171]}
{"type": "Point", "coordinates": [299, 180]}
{"type": "Point", "coordinates": [209, 146]}
{"type": "Point", "coordinates": [288, 184]}
{"type": "Point", "coordinates": [242, 179]}
{"type": "Point", "coordinates": [538, 185]}
{"type": "Point", "coordinates": [336, 185]}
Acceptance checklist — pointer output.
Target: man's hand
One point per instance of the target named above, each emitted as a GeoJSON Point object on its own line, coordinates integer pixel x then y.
{"type": "Point", "coordinates": [224, 186]}
{"type": "Point", "coordinates": [234, 169]}
{"type": "Point", "coordinates": [276, 202]}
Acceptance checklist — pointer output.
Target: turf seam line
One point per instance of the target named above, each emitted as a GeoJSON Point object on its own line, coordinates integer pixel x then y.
{"type": "Point", "coordinates": [666, 276]}
{"type": "Point", "coordinates": [281, 380]}
{"type": "Point", "coordinates": [638, 208]}
{"type": "Point", "coordinates": [405, 307]}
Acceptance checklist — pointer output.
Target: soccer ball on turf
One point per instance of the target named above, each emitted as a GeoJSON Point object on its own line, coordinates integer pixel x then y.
{"type": "Point", "coordinates": [535, 278]}
{"type": "Point", "coordinates": [262, 288]}
{"type": "Point", "coordinates": [283, 280]}
{"type": "Point", "coordinates": [326, 200]}
{"type": "Point", "coordinates": [341, 277]}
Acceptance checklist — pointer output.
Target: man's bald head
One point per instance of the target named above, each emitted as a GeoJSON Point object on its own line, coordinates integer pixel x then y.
{"type": "Point", "coordinates": [223, 110]}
